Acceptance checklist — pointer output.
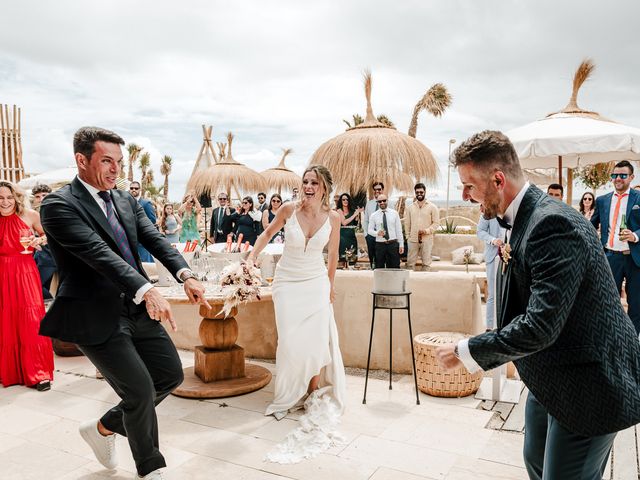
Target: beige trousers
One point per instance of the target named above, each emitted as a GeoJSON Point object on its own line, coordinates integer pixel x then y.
{"type": "Point", "coordinates": [420, 249]}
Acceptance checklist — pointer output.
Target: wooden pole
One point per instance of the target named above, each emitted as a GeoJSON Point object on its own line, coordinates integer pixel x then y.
{"type": "Point", "coordinates": [4, 172]}
{"type": "Point", "coordinates": [569, 186]}
{"type": "Point", "coordinates": [560, 169]}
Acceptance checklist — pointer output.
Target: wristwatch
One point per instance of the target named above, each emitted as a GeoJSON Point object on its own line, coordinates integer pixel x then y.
{"type": "Point", "coordinates": [187, 275]}
{"type": "Point", "coordinates": [455, 351]}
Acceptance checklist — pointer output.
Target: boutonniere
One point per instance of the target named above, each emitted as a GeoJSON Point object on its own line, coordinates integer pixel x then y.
{"type": "Point", "coordinates": [505, 255]}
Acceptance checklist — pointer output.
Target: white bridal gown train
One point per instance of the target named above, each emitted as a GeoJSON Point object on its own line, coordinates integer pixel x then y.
{"type": "Point", "coordinates": [307, 345]}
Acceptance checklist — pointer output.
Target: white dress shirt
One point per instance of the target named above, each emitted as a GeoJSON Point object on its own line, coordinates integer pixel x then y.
{"type": "Point", "coordinates": [394, 226]}
{"type": "Point", "coordinates": [93, 191]}
{"type": "Point", "coordinates": [509, 216]}
{"type": "Point", "coordinates": [369, 208]}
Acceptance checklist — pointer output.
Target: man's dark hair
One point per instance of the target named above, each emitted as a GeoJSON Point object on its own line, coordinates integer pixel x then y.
{"type": "Point", "coordinates": [263, 194]}
{"type": "Point", "coordinates": [41, 188]}
{"type": "Point", "coordinates": [625, 163]}
{"type": "Point", "coordinates": [556, 186]}
{"type": "Point", "coordinates": [85, 139]}
{"type": "Point", "coordinates": [136, 182]}
{"type": "Point", "coordinates": [375, 184]}
{"type": "Point", "coordinates": [418, 186]}
{"type": "Point", "coordinates": [491, 151]}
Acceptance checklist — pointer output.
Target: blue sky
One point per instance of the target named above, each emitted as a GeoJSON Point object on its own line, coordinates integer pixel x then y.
{"type": "Point", "coordinates": [285, 74]}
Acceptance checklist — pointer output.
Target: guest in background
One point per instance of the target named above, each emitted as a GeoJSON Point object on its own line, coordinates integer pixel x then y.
{"type": "Point", "coordinates": [492, 234]}
{"type": "Point", "coordinates": [268, 215]}
{"type": "Point", "coordinates": [170, 224]}
{"type": "Point", "coordinates": [43, 258]}
{"type": "Point", "coordinates": [637, 187]}
{"type": "Point", "coordinates": [26, 358]}
{"type": "Point", "coordinates": [261, 207]}
{"type": "Point", "coordinates": [369, 208]}
{"type": "Point", "coordinates": [149, 210]}
{"type": "Point", "coordinates": [245, 221]}
{"type": "Point", "coordinates": [294, 196]}
{"type": "Point", "coordinates": [619, 240]}
{"type": "Point", "coordinates": [420, 222]}
{"type": "Point", "coordinates": [336, 201]}
{"type": "Point", "coordinates": [190, 213]}
{"type": "Point", "coordinates": [587, 205]}
{"type": "Point", "coordinates": [221, 224]}
{"type": "Point", "coordinates": [349, 216]}
{"type": "Point", "coordinates": [262, 202]}
{"type": "Point", "coordinates": [555, 190]}
{"type": "Point", "coordinates": [385, 225]}
{"type": "Point", "coordinates": [39, 192]}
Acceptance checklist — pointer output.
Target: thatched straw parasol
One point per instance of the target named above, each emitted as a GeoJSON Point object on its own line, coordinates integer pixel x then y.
{"type": "Point", "coordinates": [374, 151]}
{"type": "Point", "coordinates": [227, 174]}
{"type": "Point", "coordinates": [574, 137]}
{"type": "Point", "coordinates": [280, 177]}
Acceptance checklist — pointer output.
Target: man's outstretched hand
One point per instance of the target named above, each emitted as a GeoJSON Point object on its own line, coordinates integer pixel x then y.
{"type": "Point", "coordinates": [158, 307]}
{"type": "Point", "coordinates": [195, 291]}
{"type": "Point", "coordinates": [447, 358]}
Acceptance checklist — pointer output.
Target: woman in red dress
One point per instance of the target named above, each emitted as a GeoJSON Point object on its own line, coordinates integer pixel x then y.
{"type": "Point", "coordinates": [26, 358]}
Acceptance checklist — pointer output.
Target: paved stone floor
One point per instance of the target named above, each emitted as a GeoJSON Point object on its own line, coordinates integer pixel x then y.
{"type": "Point", "coordinates": [389, 438]}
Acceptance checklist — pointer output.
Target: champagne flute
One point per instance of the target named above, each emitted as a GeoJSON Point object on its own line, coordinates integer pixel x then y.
{"type": "Point", "coordinates": [25, 240]}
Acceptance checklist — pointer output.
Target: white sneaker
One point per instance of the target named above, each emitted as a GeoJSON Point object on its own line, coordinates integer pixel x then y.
{"type": "Point", "coordinates": [104, 448]}
{"type": "Point", "coordinates": [155, 475]}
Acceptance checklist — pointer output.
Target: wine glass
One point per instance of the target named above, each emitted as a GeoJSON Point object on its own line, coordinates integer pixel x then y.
{"type": "Point", "coordinates": [25, 240]}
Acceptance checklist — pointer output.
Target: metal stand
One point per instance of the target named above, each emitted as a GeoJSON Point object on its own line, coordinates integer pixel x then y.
{"type": "Point", "coordinates": [406, 305]}
{"type": "Point", "coordinates": [206, 242]}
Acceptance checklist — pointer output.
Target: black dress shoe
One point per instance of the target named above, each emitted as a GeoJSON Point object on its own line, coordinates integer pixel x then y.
{"type": "Point", "coordinates": [43, 386]}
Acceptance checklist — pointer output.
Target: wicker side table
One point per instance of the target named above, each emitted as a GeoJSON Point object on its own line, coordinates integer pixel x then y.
{"type": "Point", "coordinates": [434, 381]}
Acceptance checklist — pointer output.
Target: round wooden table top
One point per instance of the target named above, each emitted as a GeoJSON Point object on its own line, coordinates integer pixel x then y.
{"type": "Point", "coordinates": [175, 294]}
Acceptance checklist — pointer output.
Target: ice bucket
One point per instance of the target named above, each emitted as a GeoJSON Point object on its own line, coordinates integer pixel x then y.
{"type": "Point", "coordinates": [390, 280]}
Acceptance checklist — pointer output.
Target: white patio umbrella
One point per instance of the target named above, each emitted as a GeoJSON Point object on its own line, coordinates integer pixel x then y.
{"type": "Point", "coordinates": [574, 137]}
{"type": "Point", "coordinates": [58, 177]}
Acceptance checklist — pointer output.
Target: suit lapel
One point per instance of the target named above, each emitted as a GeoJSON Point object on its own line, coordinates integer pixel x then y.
{"type": "Point", "coordinates": [89, 204]}
{"type": "Point", "coordinates": [631, 201]}
{"type": "Point", "coordinates": [532, 197]}
{"type": "Point", "coordinates": [604, 216]}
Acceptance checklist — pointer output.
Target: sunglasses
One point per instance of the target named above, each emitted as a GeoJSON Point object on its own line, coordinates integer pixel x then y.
{"type": "Point", "coordinates": [222, 198]}
{"type": "Point", "coordinates": [623, 176]}
{"type": "Point", "coordinates": [377, 189]}
{"type": "Point", "coordinates": [588, 199]}
{"type": "Point", "coordinates": [134, 188]}
{"type": "Point", "coordinates": [276, 201]}
{"type": "Point", "coordinates": [381, 201]}
{"type": "Point", "coordinates": [245, 202]}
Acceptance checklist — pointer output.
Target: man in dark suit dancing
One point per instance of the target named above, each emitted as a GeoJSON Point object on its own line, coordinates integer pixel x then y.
{"type": "Point", "coordinates": [620, 240]}
{"type": "Point", "coordinates": [221, 224]}
{"type": "Point", "coordinates": [105, 302]}
{"type": "Point", "coordinates": [559, 319]}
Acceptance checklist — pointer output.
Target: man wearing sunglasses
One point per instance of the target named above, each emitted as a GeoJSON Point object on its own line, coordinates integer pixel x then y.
{"type": "Point", "coordinates": [618, 216]}
{"type": "Point", "coordinates": [221, 224]}
{"type": "Point", "coordinates": [385, 227]}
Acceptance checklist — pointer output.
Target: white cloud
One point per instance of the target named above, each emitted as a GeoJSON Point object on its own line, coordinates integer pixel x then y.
{"type": "Point", "coordinates": [284, 74]}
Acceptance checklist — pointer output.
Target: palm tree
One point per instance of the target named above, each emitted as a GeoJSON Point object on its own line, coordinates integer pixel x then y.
{"type": "Point", "coordinates": [147, 181]}
{"type": "Point", "coordinates": [145, 162]}
{"type": "Point", "coordinates": [435, 101]}
{"type": "Point", "coordinates": [134, 150]}
{"type": "Point", "coordinates": [165, 169]}
{"type": "Point", "coordinates": [357, 120]}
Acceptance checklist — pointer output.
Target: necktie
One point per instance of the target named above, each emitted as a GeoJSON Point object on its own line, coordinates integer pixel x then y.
{"type": "Point", "coordinates": [384, 225]}
{"type": "Point", "coordinates": [118, 231]}
{"type": "Point", "coordinates": [612, 229]}
{"type": "Point", "coordinates": [219, 226]}
{"type": "Point", "coordinates": [503, 223]}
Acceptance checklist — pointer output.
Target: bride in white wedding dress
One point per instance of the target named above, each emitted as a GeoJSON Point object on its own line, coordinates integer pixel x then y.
{"type": "Point", "coordinates": [308, 359]}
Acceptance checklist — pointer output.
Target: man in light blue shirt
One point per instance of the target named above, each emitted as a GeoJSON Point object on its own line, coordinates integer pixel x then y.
{"type": "Point", "coordinates": [491, 233]}
{"type": "Point", "coordinates": [370, 207]}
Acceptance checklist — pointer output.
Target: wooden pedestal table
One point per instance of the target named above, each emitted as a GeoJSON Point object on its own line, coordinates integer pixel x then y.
{"type": "Point", "coordinates": [220, 369]}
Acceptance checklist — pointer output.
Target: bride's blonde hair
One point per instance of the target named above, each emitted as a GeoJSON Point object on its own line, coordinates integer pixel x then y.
{"type": "Point", "coordinates": [324, 175]}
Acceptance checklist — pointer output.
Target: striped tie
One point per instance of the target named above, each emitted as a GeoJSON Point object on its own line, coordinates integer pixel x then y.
{"type": "Point", "coordinates": [118, 231]}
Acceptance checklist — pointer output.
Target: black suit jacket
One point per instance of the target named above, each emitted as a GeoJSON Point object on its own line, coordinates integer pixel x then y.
{"type": "Point", "coordinates": [226, 225]}
{"type": "Point", "coordinates": [95, 280]}
{"type": "Point", "coordinates": [560, 320]}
